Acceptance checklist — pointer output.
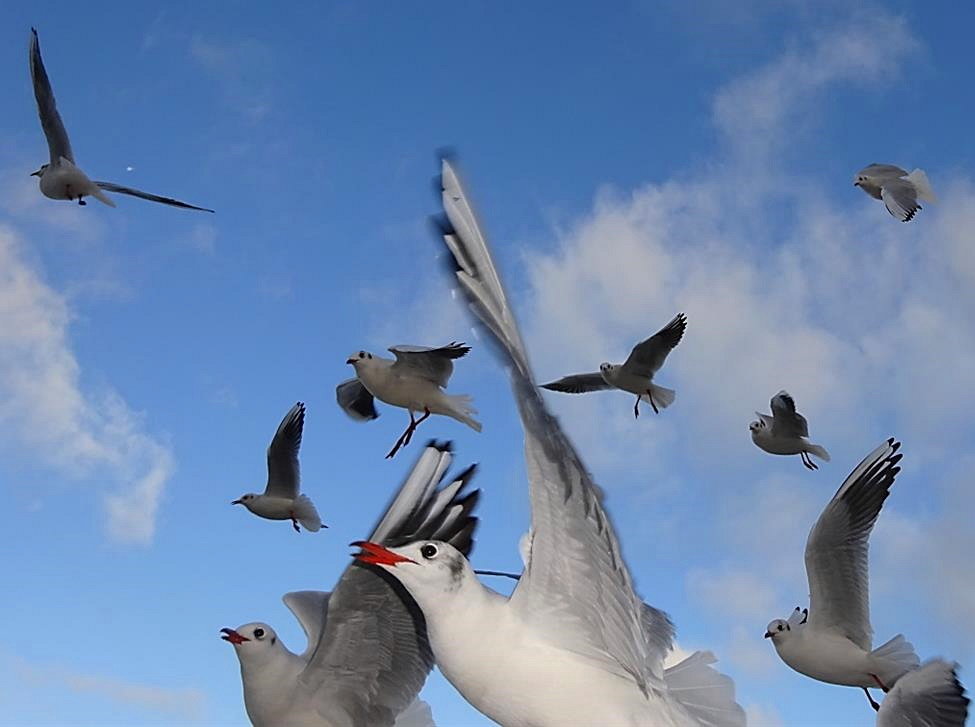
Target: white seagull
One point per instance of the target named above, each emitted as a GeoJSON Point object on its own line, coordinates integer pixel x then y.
{"type": "Point", "coordinates": [930, 696]}
{"type": "Point", "coordinates": [61, 178]}
{"type": "Point", "coordinates": [786, 431]}
{"type": "Point", "coordinates": [368, 654]}
{"type": "Point", "coordinates": [281, 499]}
{"type": "Point", "coordinates": [899, 190]}
{"type": "Point", "coordinates": [634, 375]}
{"type": "Point", "coordinates": [574, 644]}
{"type": "Point", "coordinates": [415, 381]}
{"type": "Point", "coordinates": [832, 641]}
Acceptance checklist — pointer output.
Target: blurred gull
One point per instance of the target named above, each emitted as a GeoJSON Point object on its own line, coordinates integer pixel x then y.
{"type": "Point", "coordinates": [575, 643]}
{"type": "Point", "coordinates": [634, 375]}
{"type": "Point", "coordinates": [60, 178]}
{"type": "Point", "coordinates": [832, 641]}
{"type": "Point", "coordinates": [786, 431]}
{"type": "Point", "coordinates": [368, 653]}
{"type": "Point", "coordinates": [281, 500]}
{"type": "Point", "coordinates": [899, 190]}
{"type": "Point", "coordinates": [930, 696]}
{"type": "Point", "coordinates": [415, 381]}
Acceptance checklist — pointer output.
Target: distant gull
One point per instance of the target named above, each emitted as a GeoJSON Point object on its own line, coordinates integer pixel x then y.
{"type": "Point", "coordinates": [415, 381]}
{"type": "Point", "coordinates": [831, 641]}
{"type": "Point", "coordinates": [368, 653]}
{"type": "Point", "coordinates": [930, 696]}
{"type": "Point", "coordinates": [634, 375]}
{"type": "Point", "coordinates": [786, 431]}
{"type": "Point", "coordinates": [281, 500]}
{"type": "Point", "coordinates": [60, 178]}
{"type": "Point", "coordinates": [899, 190]}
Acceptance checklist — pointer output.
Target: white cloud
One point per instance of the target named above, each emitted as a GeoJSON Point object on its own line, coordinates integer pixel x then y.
{"type": "Point", "coordinates": [45, 411]}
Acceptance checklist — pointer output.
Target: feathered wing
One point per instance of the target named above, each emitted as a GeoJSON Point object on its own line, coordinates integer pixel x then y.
{"type": "Point", "coordinates": [373, 655]}
{"type": "Point", "coordinates": [648, 356]}
{"type": "Point", "coordinates": [881, 171]}
{"type": "Point", "coordinates": [836, 550]}
{"type": "Point", "coordinates": [579, 384]}
{"type": "Point", "coordinates": [786, 421]}
{"type": "Point", "coordinates": [433, 364]}
{"type": "Point", "coordinates": [355, 400]}
{"type": "Point", "coordinates": [576, 582]}
{"type": "Point", "coordinates": [311, 610]}
{"type": "Point", "coordinates": [900, 198]}
{"type": "Point", "coordinates": [707, 694]}
{"type": "Point", "coordinates": [930, 696]}
{"type": "Point", "coordinates": [57, 137]}
{"type": "Point", "coordinates": [119, 189]}
{"type": "Point", "coordinates": [283, 471]}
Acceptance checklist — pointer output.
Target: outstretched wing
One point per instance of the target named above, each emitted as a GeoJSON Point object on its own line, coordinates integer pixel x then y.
{"type": "Point", "coordinates": [930, 696]}
{"type": "Point", "coordinates": [311, 610]}
{"type": "Point", "coordinates": [576, 589]}
{"type": "Point", "coordinates": [57, 138]}
{"type": "Point", "coordinates": [433, 364]}
{"type": "Point", "coordinates": [648, 356]}
{"type": "Point", "coordinates": [119, 189]}
{"type": "Point", "coordinates": [283, 471]}
{"type": "Point", "coordinates": [579, 384]}
{"type": "Point", "coordinates": [786, 421]}
{"type": "Point", "coordinates": [355, 400]}
{"type": "Point", "coordinates": [836, 551]}
{"type": "Point", "coordinates": [373, 655]}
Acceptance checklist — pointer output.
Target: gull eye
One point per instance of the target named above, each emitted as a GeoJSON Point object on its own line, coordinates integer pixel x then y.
{"type": "Point", "coordinates": [362, 354]}
{"type": "Point", "coordinates": [428, 551]}
{"type": "Point", "coordinates": [259, 633]}
{"type": "Point", "coordinates": [780, 627]}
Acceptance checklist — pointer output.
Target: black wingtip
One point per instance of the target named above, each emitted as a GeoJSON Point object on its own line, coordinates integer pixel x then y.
{"type": "Point", "coordinates": [448, 152]}
{"type": "Point", "coordinates": [443, 446]}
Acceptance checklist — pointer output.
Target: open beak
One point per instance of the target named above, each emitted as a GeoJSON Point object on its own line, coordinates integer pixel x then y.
{"type": "Point", "coordinates": [237, 502]}
{"type": "Point", "coordinates": [375, 554]}
{"type": "Point", "coordinates": [351, 360]}
{"type": "Point", "coordinates": [233, 637]}
{"type": "Point", "coordinates": [768, 634]}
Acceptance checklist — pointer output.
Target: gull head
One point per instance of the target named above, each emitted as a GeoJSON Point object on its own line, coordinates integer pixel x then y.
{"type": "Point", "coordinates": [40, 172]}
{"type": "Point", "coordinates": [860, 179]}
{"type": "Point", "coordinates": [359, 358]}
{"type": "Point", "coordinates": [245, 500]}
{"type": "Point", "coordinates": [253, 640]}
{"type": "Point", "coordinates": [755, 426]}
{"type": "Point", "coordinates": [426, 567]}
{"type": "Point", "coordinates": [778, 629]}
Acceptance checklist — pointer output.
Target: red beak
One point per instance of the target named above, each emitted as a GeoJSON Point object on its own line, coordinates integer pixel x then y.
{"type": "Point", "coordinates": [375, 554]}
{"type": "Point", "coordinates": [233, 637]}
{"type": "Point", "coordinates": [351, 360]}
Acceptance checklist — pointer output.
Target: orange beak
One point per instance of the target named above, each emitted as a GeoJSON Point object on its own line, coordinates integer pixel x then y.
{"type": "Point", "coordinates": [375, 554]}
{"type": "Point", "coordinates": [233, 637]}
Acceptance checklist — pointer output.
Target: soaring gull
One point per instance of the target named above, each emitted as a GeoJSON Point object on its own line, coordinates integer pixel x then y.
{"type": "Point", "coordinates": [786, 431]}
{"type": "Point", "coordinates": [899, 190]}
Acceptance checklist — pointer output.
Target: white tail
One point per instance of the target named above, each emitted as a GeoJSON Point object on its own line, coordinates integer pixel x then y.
{"type": "Point", "coordinates": [102, 197]}
{"type": "Point", "coordinates": [920, 181]}
{"type": "Point", "coordinates": [707, 694]}
{"type": "Point", "coordinates": [899, 653]}
{"type": "Point", "coordinates": [417, 714]}
{"type": "Point", "coordinates": [662, 397]}
{"type": "Point", "coordinates": [307, 514]}
{"type": "Point", "coordinates": [818, 451]}
{"type": "Point", "coordinates": [461, 409]}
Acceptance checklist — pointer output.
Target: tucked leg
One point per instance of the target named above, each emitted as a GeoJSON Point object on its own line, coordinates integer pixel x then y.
{"type": "Point", "coordinates": [650, 397]}
{"type": "Point", "coordinates": [880, 683]}
{"type": "Point", "coordinates": [636, 407]}
{"type": "Point", "coordinates": [807, 461]}
{"type": "Point", "coordinates": [294, 522]}
{"type": "Point", "coordinates": [873, 703]}
{"type": "Point", "coordinates": [409, 435]}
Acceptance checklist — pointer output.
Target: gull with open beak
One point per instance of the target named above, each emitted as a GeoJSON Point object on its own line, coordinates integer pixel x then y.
{"type": "Point", "coordinates": [574, 642]}
{"type": "Point", "coordinates": [368, 653]}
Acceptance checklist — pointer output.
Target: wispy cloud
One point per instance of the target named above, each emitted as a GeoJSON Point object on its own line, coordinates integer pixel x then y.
{"type": "Point", "coordinates": [242, 67]}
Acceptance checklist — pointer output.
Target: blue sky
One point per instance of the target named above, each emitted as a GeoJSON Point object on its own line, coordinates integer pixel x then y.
{"type": "Point", "coordinates": [628, 163]}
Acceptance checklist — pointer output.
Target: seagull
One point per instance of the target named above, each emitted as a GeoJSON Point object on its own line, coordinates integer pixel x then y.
{"type": "Point", "coordinates": [930, 696]}
{"type": "Point", "coordinates": [832, 643]}
{"type": "Point", "coordinates": [61, 178]}
{"type": "Point", "coordinates": [576, 643]}
{"type": "Point", "coordinates": [281, 500]}
{"type": "Point", "coordinates": [634, 375]}
{"type": "Point", "coordinates": [786, 431]}
{"type": "Point", "coordinates": [415, 381]}
{"type": "Point", "coordinates": [899, 190]}
{"type": "Point", "coordinates": [368, 653]}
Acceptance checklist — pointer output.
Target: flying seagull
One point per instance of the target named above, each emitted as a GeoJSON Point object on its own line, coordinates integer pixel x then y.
{"type": "Point", "coordinates": [281, 500]}
{"type": "Point", "coordinates": [634, 375]}
{"type": "Point", "coordinates": [368, 653]}
{"type": "Point", "coordinates": [786, 431]}
{"type": "Point", "coordinates": [930, 696]}
{"type": "Point", "coordinates": [832, 641]}
{"type": "Point", "coordinates": [61, 178]}
{"type": "Point", "coordinates": [576, 643]}
{"type": "Point", "coordinates": [899, 190]}
{"type": "Point", "coordinates": [415, 381]}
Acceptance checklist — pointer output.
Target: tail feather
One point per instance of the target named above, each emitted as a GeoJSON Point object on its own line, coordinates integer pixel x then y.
{"type": "Point", "coordinates": [899, 652]}
{"type": "Point", "coordinates": [818, 451]}
{"type": "Point", "coordinates": [662, 397]}
{"type": "Point", "coordinates": [461, 409]}
{"type": "Point", "coordinates": [707, 694]}
{"type": "Point", "coordinates": [102, 197]}
{"type": "Point", "coordinates": [920, 181]}
{"type": "Point", "coordinates": [307, 514]}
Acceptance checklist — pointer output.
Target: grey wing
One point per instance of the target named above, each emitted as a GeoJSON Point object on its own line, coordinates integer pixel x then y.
{"type": "Point", "coordinates": [57, 138]}
{"type": "Point", "coordinates": [900, 198]}
{"type": "Point", "coordinates": [433, 364]}
{"type": "Point", "coordinates": [836, 550]}
{"type": "Point", "coordinates": [882, 171]}
{"type": "Point", "coordinates": [930, 696]}
{"type": "Point", "coordinates": [576, 589]}
{"type": "Point", "coordinates": [417, 714]}
{"type": "Point", "coordinates": [648, 356]}
{"type": "Point", "coordinates": [355, 400]}
{"type": "Point", "coordinates": [579, 384]}
{"type": "Point", "coordinates": [660, 637]}
{"type": "Point", "coordinates": [311, 610]}
{"type": "Point", "coordinates": [283, 471]}
{"type": "Point", "coordinates": [119, 189]}
{"type": "Point", "coordinates": [373, 655]}
{"type": "Point", "coordinates": [786, 421]}
{"type": "Point", "coordinates": [765, 419]}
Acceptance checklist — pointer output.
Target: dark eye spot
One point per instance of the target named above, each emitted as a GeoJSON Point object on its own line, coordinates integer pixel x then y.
{"type": "Point", "coordinates": [362, 354]}
{"type": "Point", "coordinates": [368, 355]}
{"type": "Point", "coordinates": [259, 633]}
{"type": "Point", "coordinates": [274, 640]}
{"type": "Point", "coordinates": [780, 627]}
{"type": "Point", "coordinates": [428, 551]}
